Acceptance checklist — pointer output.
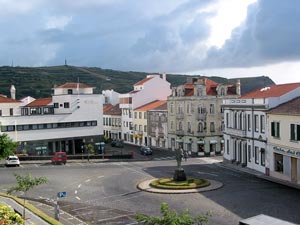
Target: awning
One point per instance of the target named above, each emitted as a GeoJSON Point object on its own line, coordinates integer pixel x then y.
{"type": "Point", "coordinates": [179, 140]}
{"type": "Point", "coordinates": [200, 142]}
{"type": "Point", "coordinates": [213, 142]}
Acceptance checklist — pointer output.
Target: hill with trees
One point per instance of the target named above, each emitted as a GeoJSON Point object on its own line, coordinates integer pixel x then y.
{"type": "Point", "coordinates": [38, 81]}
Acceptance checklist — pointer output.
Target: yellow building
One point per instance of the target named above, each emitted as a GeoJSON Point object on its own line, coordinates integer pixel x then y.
{"type": "Point", "coordinates": [284, 141]}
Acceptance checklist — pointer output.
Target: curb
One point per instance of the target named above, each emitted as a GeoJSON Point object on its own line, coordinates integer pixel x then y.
{"type": "Point", "coordinates": [145, 186]}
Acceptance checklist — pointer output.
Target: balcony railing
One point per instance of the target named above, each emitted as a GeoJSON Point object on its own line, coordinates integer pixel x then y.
{"type": "Point", "coordinates": [236, 132]}
{"type": "Point", "coordinates": [179, 116]}
{"type": "Point", "coordinates": [179, 132]}
{"type": "Point", "coordinates": [201, 116]}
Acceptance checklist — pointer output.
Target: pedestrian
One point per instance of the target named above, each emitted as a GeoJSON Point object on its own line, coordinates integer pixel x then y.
{"type": "Point", "coordinates": [185, 155]}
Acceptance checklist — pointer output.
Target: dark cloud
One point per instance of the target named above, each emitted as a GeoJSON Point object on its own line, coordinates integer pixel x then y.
{"type": "Point", "coordinates": [269, 35]}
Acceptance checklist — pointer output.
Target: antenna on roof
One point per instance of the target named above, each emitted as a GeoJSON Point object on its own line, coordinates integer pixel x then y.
{"type": "Point", "coordinates": [12, 63]}
{"type": "Point", "coordinates": [66, 62]}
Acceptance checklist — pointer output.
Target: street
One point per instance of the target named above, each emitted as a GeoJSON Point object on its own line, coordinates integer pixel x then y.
{"type": "Point", "coordinates": [106, 193]}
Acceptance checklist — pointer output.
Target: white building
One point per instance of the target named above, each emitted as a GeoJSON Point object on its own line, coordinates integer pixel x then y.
{"type": "Point", "coordinates": [66, 122]}
{"type": "Point", "coordinates": [246, 128]}
{"type": "Point", "coordinates": [152, 88]}
{"type": "Point", "coordinates": [111, 97]}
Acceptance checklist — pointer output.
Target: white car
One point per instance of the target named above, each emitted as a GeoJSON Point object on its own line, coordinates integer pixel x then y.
{"type": "Point", "coordinates": [12, 160]}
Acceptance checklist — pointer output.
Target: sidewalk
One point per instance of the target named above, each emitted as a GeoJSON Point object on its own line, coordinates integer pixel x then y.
{"type": "Point", "coordinates": [257, 174]}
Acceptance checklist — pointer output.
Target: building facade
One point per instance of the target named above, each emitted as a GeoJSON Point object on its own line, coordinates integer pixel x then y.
{"type": "Point", "coordinates": [68, 121]}
{"type": "Point", "coordinates": [157, 122]}
{"type": "Point", "coordinates": [246, 129]}
{"type": "Point", "coordinates": [112, 122]}
{"type": "Point", "coordinates": [195, 116]}
{"type": "Point", "coordinates": [283, 141]}
{"type": "Point", "coordinates": [152, 88]}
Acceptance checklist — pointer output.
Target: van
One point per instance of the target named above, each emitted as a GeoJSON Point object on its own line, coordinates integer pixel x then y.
{"type": "Point", "coordinates": [59, 158]}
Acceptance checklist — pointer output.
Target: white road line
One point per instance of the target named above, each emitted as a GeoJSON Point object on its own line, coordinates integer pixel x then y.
{"type": "Point", "coordinates": [100, 177]}
{"type": "Point", "coordinates": [77, 198]}
{"type": "Point", "coordinates": [88, 180]}
{"type": "Point", "coordinates": [75, 192]}
{"type": "Point", "coordinates": [79, 185]}
{"type": "Point", "coordinates": [21, 166]}
{"type": "Point", "coordinates": [212, 174]}
{"type": "Point", "coordinates": [36, 165]}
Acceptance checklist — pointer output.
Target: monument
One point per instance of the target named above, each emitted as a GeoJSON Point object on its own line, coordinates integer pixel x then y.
{"type": "Point", "coordinates": [179, 174]}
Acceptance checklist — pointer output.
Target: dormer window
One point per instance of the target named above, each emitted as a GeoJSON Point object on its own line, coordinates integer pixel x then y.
{"type": "Point", "coordinates": [222, 92]}
{"type": "Point", "coordinates": [199, 91]}
{"type": "Point", "coordinates": [70, 91]}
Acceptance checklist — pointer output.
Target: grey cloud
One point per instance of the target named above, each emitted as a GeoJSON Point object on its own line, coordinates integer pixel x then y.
{"type": "Point", "coordinates": [269, 35]}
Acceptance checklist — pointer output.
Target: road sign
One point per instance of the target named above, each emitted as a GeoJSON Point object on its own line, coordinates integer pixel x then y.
{"type": "Point", "coordinates": [62, 194]}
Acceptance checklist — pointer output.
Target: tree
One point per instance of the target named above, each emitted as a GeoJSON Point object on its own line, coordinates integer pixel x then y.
{"type": "Point", "coordinates": [25, 183]}
{"type": "Point", "coordinates": [173, 218]}
{"type": "Point", "coordinates": [8, 216]}
{"type": "Point", "coordinates": [7, 146]}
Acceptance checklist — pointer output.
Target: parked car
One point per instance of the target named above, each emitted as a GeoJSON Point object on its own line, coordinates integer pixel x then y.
{"type": "Point", "coordinates": [59, 158]}
{"type": "Point", "coordinates": [146, 150]}
{"type": "Point", "coordinates": [117, 144]}
{"type": "Point", "coordinates": [12, 160]}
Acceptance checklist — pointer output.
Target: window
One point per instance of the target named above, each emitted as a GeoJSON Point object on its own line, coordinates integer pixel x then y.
{"type": "Point", "coordinates": [135, 115]}
{"type": "Point", "coordinates": [212, 127]}
{"type": "Point", "coordinates": [70, 91]}
{"type": "Point", "coordinates": [256, 155]}
{"type": "Point", "coordinates": [262, 123]}
{"type": "Point", "coordinates": [171, 108]}
{"type": "Point", "coordinates": [56, 105]}
{"type": "Point", "coordinates": [241, 121]}
{"type": "Point", "coordinates": [278, 163]}
{"type": "Point", "coordinates": [227, 120]}
{"type": "Point", "coordinates": [180, 125]}
{"type": "Point", "coordinates": [145, 115]}
{"type": "Point", "coordinates": [172, 125]}
{"type": "Point", "coordinates": [249, 153]}
{"type": "Point", "coordinates": [0, 112]}
{"type": "Point", "coordinates": [295, 132]}
{"type": "Point", "coordinates": [200, 127]}
{"type": "Point", "coordinates": [180, 108]}
{"type": "Point", "coordinates": [262, 157]}
{"type": "Point", "coordinates": [11, 111]}
{"type": "Point", "coordinates": [145, 128]}
{"type": "Point", "coordinates": [189, 127]}
{"type": "Point", "coordinates": [275, 129]}
{"type": "Point", "coordinates": [227, 147]}
{"type": "Point", "coordinates": [199, 91]}
{"type": "Point", "coordinates": [140, 128]}
{"type": "Point", "coordinates": [188, 108]}
{"type": "Point", "coordinates": [140, 115]}
{"type": "Point", "coordinates": [235, 120]}
{"type": "Point", "coordinates": [256, 123]}
{"type": "Point", "coordinates": [212, 109]}
{"type": "Point", "coordinates": [66, 105]}
{"type": "Point", "coordinates": [249, 122]}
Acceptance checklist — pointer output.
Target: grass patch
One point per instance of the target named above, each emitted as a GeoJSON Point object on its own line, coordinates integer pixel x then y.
{"type": "Point", "coordinates": [33, 209]}
{"type": "Point", "coordinates": [169, 183]}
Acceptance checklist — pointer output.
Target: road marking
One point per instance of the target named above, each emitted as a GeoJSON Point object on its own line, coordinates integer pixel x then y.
{"type": "Point", "coordinates": [212, 174]}
{"type": "Point", "coordinates": [77, 198]}
{"type": "Point", "coordinates": [79, 185]}
{"type": "Point", "coordinates": [100, 177]}
{"type": "Point", "coordinates": [75, 192]}
{"type": "Point", "coordinates": [36, 165]}
{"type": "Point", "coordinates": [21, 166]}
{"type": "Point", "coordinates": [88, 180]}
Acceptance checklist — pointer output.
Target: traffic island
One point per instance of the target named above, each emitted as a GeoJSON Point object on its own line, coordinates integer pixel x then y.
{"type": "Point", "coordinates": [169, 186]}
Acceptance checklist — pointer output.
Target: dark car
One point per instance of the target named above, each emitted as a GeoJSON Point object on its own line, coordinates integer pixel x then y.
{"type": "Point", "coordinates": [146, 150]}
{"type": "Point", "coordinates": [118, 144]}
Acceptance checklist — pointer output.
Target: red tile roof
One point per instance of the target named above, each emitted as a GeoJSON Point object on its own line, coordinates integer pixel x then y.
{"type": "Point", "coordinates": [39, 102]}
{"type": "Point", "coordinates": [74, 85]}
{"type": "Point", "coordinates": [288, 108]}
{"type": "Point", "coordinates": [143, 81]}
{"type": "Point", "coordinates": [272, 91]}
{"type": "Point", "coordinates": [134, 91]}
{"type": "Point", "coordinates": [4, 99]}
{"type": "Point", "coordinates": [112, 110]}
{"type": "Point", "coordinates": [151, 105]}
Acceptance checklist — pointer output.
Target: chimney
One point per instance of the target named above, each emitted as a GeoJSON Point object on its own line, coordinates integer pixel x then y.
{"type": "Point", "coordinates": [164, 76]}
{"type": "Point", "coordinates": [13, 92]}
{"type": "Point", "coordinates": [238, 87]}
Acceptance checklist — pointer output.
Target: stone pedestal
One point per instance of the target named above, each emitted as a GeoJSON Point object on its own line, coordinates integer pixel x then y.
{"type": "Point", "coordinates": [179, 175]}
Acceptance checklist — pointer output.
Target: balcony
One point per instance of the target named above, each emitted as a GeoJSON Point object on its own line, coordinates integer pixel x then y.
{"type": "Point", "coordinates": [140, 132]}
{"type": "Point", "coordinates": [236, 132]}
{"type": "Point", "coordinates": [179, 116]}
{"type": "Point", "coordinates": [180, 132]}
{"type": "Point", "coordinates": [201, 116]}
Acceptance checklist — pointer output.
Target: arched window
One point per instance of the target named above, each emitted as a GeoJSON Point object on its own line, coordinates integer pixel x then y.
{"type": "Point", "coordinates": [200, 127]}
{"type": "Point", "coordinates": [180, 125]}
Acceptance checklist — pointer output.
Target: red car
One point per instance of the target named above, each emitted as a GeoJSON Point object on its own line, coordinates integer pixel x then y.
{"type": "Point", "coordinates": [59, 158]}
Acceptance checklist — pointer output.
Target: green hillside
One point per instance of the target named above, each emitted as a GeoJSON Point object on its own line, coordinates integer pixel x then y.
{"type": "Point", "coordinates": [38, 81]}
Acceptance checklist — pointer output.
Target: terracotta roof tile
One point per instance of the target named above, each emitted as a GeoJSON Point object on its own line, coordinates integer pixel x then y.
{"type": "Point", "coordinates": [39, 102]}
{"type": "Point", "coordinates": [151, 105]}
{"type": "Point", "coordinates": [288, 108]}
{"type": "Point", "coordinates": [112, 110]}
{"type": "Point", "coordinates": [4, 99]}
{"type": "Point", "coordinates": [272, 91]}
{"type": "Point", "coordinates": [143, 81]}
{"type": "Point", "coordinates": [74, 85]}
{"type": "Point", "coordinates": [134, 91]}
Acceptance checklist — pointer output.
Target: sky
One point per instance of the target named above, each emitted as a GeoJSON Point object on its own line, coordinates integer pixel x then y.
{"type": "Point", "coordinates": [228, 38]}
